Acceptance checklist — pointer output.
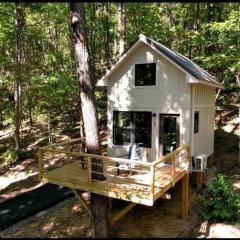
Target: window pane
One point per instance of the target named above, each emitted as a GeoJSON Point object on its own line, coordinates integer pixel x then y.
{"type": "Point", "coordinates": [143, 136]}
{"type": "Point", "coordinates": [142, 122]}
{"type": "Point", "coordinates": [132, 127]}
{"type": "Point", "coordinates": [170, 124]}
{"type": "Point", "coordinates": [145, 74]}
{"type": "Point", "coordinates": [142, 119]}
{"type": "Point", "coordinates": [196, 121]}
{"type": "Point", "coordinates": [122, 136]}
{"type": "Point", "coordinates": [122, 119]}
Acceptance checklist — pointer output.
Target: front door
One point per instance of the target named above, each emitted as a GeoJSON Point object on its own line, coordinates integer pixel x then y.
{"type": "Point", "coordinates": [169, 133]}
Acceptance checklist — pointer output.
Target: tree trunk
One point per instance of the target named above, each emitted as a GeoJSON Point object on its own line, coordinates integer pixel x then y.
{"type": "Point", "coordinates": [122, 26]}
{"type": "Point", "coordinates": [17, 84]}
{"type": "Point", "coordinates": [99, 204]}
{"type": "Point", "coordinates": [170, 22]}
{"type": "Point", "coordinates": [197, 16]}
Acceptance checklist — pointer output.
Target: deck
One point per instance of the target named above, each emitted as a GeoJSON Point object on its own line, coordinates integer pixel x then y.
{"type": "Point", "coordinates": [146, 183]}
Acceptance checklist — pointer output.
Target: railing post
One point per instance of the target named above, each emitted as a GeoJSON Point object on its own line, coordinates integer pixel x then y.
{"type": "Point", "coordinates": [188, 155]}
{"type": "Point", "coordinates": [40, 163]}
{"type": "Point", "coordinates": [152, 180]}
{"type": "Point", "coordinates": [173, 159]}
{"type": "Point", "coordinates": [89, 168]}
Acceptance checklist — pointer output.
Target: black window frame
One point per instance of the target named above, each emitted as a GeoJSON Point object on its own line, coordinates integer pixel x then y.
{"type": "Point", "coordinates": [139, 69]}
{"type": "Point", "coordinates": [196, 122]}
{"type": "Point", "coordinates": [133, 129]}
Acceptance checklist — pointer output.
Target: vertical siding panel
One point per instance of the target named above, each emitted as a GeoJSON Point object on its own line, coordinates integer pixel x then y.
{"type": "Point", "coordinates": [205, 104]}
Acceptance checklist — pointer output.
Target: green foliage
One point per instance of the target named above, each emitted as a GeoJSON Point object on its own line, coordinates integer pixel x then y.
{"type": "Point", "coordinates": [222, 203]}
{"type": "Point", "coordinates": [11, 156]}
{"type": "Point", "coordinates": [48, 78]}
{"type": "Point", "coordinates": [69, 128]}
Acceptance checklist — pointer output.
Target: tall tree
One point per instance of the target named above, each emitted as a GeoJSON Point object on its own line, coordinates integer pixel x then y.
{"type": "Point", "coordinates": [99, 204]}
{"type": "Point", "coordinates": [17, 84]}
{"type": "Point", "coordinates": [121, 26]}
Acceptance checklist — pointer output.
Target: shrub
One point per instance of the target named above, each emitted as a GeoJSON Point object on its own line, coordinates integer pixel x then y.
{"type": "Point", "coordinates": [11, 156]}
{"type": "Point", "coordinates": [222, 203]}
{"type": "Point", "coordinates": [69, 128]}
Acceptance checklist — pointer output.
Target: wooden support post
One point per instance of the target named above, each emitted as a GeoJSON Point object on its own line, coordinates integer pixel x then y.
{"type": "Point", "coordinates": [40, 164]}
{"type": "Point", "coordinates": [122, 213]}
{"type": "Point", "coordinates": [89, 168]}
{"type": "Point", "coordinates": [188, 156]}
{"type": "Point", "coordinates": [199, 179]}
{"type": "Point", "coordinates": [82, 201]}
{"type": "Point", "coordinates": [210, 161]}
{"type": "Point", "coordinates": [184, 200]}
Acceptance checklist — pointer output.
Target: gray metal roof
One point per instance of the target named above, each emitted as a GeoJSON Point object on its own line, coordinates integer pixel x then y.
{"type": "Point", "coordinates": [184, 62]}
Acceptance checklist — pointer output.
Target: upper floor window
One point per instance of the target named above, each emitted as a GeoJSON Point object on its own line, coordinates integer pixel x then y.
{"type": "Point", "coordinates": [196, 122]}
{"type": "Point", "coordinates": [145, 74]}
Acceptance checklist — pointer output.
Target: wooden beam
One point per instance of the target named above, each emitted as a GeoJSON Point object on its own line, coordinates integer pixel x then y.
{"type": "Point", "coordinates": [199, 179]}
{"type": "Point", "coordinates": [81, 200]}
{"type": "Point", "coordinates": [122, 213]}
{"type": "Point", "coordinates": [184, 200]}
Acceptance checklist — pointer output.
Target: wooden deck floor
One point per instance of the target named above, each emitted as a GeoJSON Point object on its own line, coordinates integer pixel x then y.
{"type": "Point", "coordinates": [134, 188]}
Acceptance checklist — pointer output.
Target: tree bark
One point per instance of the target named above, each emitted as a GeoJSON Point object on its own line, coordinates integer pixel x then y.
{"type": "Point", "coordinates": [197, 15]}
{"type": "Point", "coordinates": [121, 26]}
{"type": "Point", "coordinates": [170, 23]}
{"type": "Point", "coordinates": [99, 204]}
{"type": "Point", "coordinates": [17, 84]}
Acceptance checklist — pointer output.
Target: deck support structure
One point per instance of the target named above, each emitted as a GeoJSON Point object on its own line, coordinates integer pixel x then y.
{"type": "Point", "coordinates": [184, 200]}
{"type": "Point", "coordinates": [199, 180]}
{"type": "Point", "coordinates": [122, 213]}
{"type": "Point", "coordinates": [81, 200]}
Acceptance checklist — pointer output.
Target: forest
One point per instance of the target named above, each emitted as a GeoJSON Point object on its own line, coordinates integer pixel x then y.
{"type": "Point", "coordinates": [40, 100]}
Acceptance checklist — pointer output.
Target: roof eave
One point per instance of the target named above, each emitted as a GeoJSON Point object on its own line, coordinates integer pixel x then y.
{"type": "Point", "coordinates": [211, 84]}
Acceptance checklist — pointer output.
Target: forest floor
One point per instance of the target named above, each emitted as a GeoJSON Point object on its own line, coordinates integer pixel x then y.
{"type": "Point", "coordinates": [68, 219]}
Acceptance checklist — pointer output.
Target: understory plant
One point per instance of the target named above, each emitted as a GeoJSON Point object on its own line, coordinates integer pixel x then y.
{"type": "Point", "coordinates": [12, 155]}
{"type": "Point", "coordinates": [222, 203]}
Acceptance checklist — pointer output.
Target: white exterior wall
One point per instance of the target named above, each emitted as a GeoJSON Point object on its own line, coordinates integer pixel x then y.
{"type": "Point", "coordinates": [170, 95]}
{"type": "Point", "coordinates": [204, 102]}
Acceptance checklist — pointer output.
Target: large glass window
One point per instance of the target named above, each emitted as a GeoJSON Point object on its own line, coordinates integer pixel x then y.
{"type": "Point", "coordinates": [132, 127]}
{"type": "Point", "coordinates": [145, 74]}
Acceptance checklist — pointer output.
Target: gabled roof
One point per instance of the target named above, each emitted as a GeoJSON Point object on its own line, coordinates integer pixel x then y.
{"type": "Point", "coordinates": [195, 73]}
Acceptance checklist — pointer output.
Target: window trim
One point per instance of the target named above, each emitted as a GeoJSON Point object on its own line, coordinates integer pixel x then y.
{"type": "Point", "coordinates": [145, 86]}
{"type": "Point", "coordinates": [194, 120]}
{"type": "Point", "coordinates": [131, 128]}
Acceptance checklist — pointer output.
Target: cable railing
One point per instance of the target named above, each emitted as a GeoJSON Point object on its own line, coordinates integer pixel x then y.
{"type": "Point", "coordinates": [118, 173]}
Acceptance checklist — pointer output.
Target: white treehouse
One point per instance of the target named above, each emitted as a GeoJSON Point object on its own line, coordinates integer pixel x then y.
{"type": "Point", "coordinates": [161, 99]}
{"type": "Point", "coordinates": [159, 103]}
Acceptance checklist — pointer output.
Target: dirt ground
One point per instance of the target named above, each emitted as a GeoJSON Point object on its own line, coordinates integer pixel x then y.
{"type": "Point", "coordinates": [69, 219]}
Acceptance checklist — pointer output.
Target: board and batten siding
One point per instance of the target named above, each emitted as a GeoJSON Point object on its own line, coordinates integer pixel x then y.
{"type": "Point", "coordinates": [204, 103]}
{"type": "Point", "coordinates": [170, 95]}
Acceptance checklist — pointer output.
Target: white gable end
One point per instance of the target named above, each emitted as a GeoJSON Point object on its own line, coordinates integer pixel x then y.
{"type": "Point", "coordinates": [171, 90]}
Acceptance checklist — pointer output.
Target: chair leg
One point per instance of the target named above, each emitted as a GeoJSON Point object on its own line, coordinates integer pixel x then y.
{"type": "Point", "coordinates": [118, 170]}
